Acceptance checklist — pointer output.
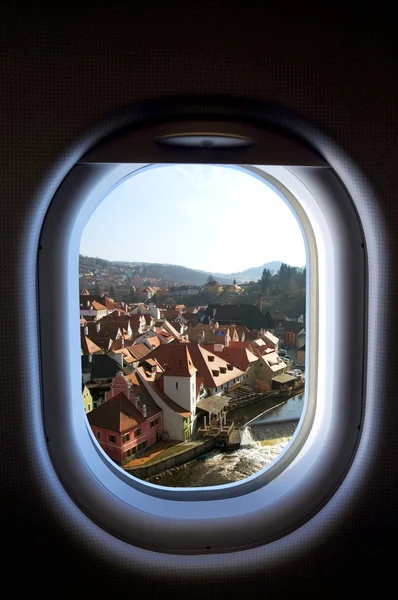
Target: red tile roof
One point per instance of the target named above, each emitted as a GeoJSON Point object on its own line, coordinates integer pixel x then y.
{"type": "Point", "coordinates": [180, 363]}
{"type": "Point", "coordinates": [97, 306]}
{"type": "Point", "coordinates": [120, 343]}
{"type": "Point", "coordinates": [202, 360]}
{"type": "Point", "coordinates": [153, 340]}
{"type": "Point", "coordinates": [157, 390]}
{"type": "Point", "coordinates": [87, 345]}
{"type": "Point", "coordinates": [117, 414]}
{"type": "Point", "coordinates": [138, 351]}
{"type": "Point", "coordinates": [240, 357]}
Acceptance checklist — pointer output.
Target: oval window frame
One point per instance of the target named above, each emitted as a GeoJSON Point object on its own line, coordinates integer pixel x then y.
{"type": "Point", "coordinates": [256, 514]}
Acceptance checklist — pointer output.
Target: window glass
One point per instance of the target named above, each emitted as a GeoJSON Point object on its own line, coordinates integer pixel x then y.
{"type": "Point", "coordinates": [209, 335]}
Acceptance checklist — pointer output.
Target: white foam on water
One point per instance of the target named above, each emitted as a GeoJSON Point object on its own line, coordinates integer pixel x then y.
{"type": "Point", "coordinates": [217, 468]}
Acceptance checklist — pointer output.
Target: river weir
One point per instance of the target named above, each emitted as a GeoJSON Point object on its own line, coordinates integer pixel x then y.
{"type": "Point", "coordinates": [262, 438]}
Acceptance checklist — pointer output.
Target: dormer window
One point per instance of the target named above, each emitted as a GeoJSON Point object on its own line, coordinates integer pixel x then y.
{"type": "Point", "coordinates": [215, 372]}
{"type": "Point", "coordinates": [210, 358]}
{"type": "Point", "coordinates": [223, 369]}
{"type": "Point", "coordinates": [230, 367]}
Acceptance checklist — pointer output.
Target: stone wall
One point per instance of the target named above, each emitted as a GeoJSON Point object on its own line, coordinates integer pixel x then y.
{"type": "Point", "coordinates": [172, 461]}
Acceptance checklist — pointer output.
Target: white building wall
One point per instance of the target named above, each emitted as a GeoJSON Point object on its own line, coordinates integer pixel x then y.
{"type": "Point", "coordinates": [182, 390]}
{"type": "Point", "coordinates": [172, 422]}
{"type": "Point", "coordinates": [261, 370]}
{"type": "Point", "coordinates": [98, 314]}
{"type": "Point", "coordinates": [155, 312]}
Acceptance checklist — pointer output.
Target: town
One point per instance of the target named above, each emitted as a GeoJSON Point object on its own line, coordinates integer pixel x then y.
{"type": "Point", "coordinates": [165, 364]}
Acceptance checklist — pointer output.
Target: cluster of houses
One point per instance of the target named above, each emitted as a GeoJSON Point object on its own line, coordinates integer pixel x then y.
{"type": "Point", "coordinates": [152, 374]}
{"type": "Point", "coordinates": [211, 287]}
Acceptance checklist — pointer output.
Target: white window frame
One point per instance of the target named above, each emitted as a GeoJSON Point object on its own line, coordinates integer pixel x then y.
{"type": "Point", "coordinates": [295, 485]}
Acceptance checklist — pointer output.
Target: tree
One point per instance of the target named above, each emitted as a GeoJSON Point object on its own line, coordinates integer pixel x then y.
{"type": "Point", "coordinates": [265, 281]}
{"type": "Point", "coordinates": [301, 279]}
{"type": "Point", "coordinates": [291, 287]}
{"type": "Point", "coordinates": [234, 281]}
{"type": "Point", "coordinates": [284, 273]}
{"type": "Point", "coordinates": [210, 279]}
{"type": "Point", "coordinates": [112, 293]}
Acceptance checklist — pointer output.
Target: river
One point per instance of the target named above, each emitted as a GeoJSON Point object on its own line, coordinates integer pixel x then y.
{"type": "Point", "coordinates": [263, 437]}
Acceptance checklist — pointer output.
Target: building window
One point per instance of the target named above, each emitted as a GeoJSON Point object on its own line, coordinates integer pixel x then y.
{"type": "Point", "coordinates": [176, 385]}
{"type": "Point", "coordinates": [98, 435]}
{"type": "Point", "coordinates": [154, 422]}
{"type": "Point", "coordinates": [137, 432]}
{"type": "Point", "coordinates": [126, 438]}
{"type": "Point", "coordinates": [89, 407]}
{"type": "Point", "coordinates": [112, 438]}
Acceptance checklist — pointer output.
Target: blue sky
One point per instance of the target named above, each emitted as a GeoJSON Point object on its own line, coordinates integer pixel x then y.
{"type": "Point", "coordinates": [213, 218]}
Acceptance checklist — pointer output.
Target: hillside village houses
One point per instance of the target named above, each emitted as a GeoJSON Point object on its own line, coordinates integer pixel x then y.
{"type": "Point", "coordinates": [128, 421]}
{"type": "Point", "coordinates": [146, 379]}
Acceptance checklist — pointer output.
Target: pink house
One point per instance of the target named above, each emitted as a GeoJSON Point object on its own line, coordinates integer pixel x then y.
{"type": "Point", "coordinates": [128, 421]}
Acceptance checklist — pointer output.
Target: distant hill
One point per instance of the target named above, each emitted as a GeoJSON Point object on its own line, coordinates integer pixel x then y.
{"type": "Point", "coordinates": [252, 274]}
{"type": "Point", "coordinates": [197, 277]}
{"type": "Point", "coordinates": [177, 273]}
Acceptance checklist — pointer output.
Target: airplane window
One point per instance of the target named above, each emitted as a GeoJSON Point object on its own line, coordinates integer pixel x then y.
{"type": "Point", "coordinates": [206, 305]}
{"type": "Point", "coordinates": [215, 273]}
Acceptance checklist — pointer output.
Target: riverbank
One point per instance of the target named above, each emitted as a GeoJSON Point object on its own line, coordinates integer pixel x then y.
{"type": "Point", "coordinates": [220, 468]}
{"type": "Point", "coordinates": [174, 456]}
{"type": "Point", "coordinates": [250, 410]}
{"type": "Point", "coordinates": [160, 464]}
{"type": "Point", "coordinates": [263, 438]}
{"type": "Point", "coordinates": [255, 397]}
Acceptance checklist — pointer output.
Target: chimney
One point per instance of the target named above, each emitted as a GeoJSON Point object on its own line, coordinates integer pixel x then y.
{"type": "Point", "coordinates": [144, 410]}
{"type": "Point", "coordinates": [90, 358]}
{"type": "Point", "coordinates": [88, 303]}
{"type": "Point", "coordinates": [98, 327]}
{"type": "Point", "coordinates": [85, 330]}
{"type": "Point", "coordinates": [122, 342]}
{"type": "Point", "coordinates": [260, 303]}
{"type": "Point", "coordinates": [118, 313]}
